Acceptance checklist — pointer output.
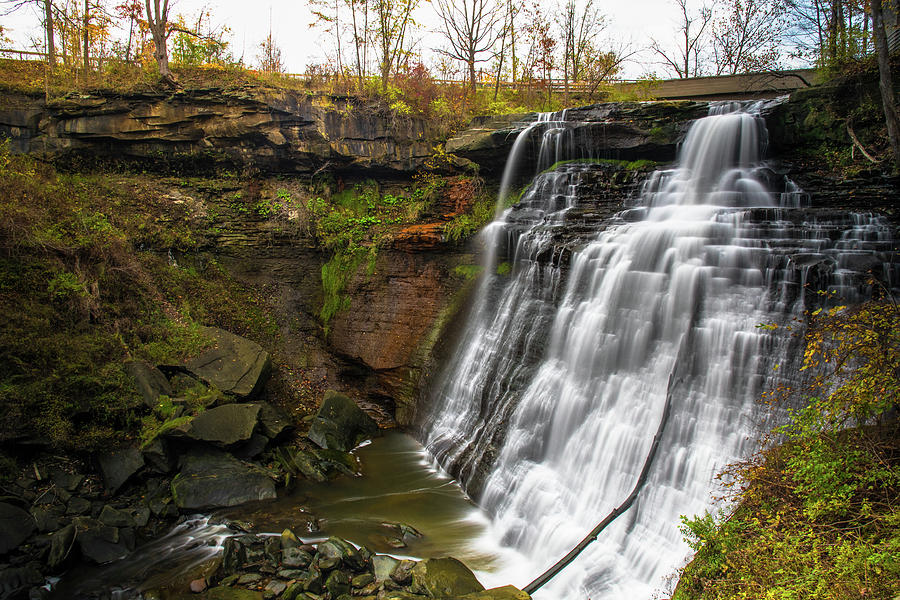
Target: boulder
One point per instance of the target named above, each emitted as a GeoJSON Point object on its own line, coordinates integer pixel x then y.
{"type": "Point", "coordinates": [15, 527]}
{"type": "Point", "coordinates": [443, 577]}
{"type": "Point", "coordinates": [272, 421]}
{"type": "Point", "coordinates": [344, 551]}
{"type": "Point", "coordinates": [252, 447]}
{"type": "Point", "coordinates": [100, 543]}
{"type": "Point", "coordinates": [224, 425]}
{"type": "Point", "coordinates": [210, 478]}
{"type": "Point", "coordinates": [150, 381]}
{"type": "Point", "coordinates": [383, 565]}
{"type": "Point", "coordinates": [507, 592]}
{"type": "Point", "coordinates": [116, 518]}
{"type": "Point", "coordinates": [338, 583]}
{"type": "Point", "coordinates": [234, 364]}
{"type": "Point", "coordinates": [340, 424]}
{"type": "Point", "coordinates": [61, 544]}
{"type": "Point", "coordinates": [157, 456]}
{"type": "Point", "coordinates": [227, 593]}
{"type": "Point", "coordinates": [118, 466]}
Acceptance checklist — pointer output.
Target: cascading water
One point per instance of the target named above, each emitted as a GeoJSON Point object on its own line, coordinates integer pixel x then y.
{"type": "Point", "coordinates": [547, 410]}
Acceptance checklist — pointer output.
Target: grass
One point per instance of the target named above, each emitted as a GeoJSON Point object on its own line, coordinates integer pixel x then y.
{"type": "Point", "coordinates": [82, 293]}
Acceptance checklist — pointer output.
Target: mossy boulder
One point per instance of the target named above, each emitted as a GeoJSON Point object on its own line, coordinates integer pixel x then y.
{"type": "Point", "coordinates": [443, 577]}
{"type": "Point", "coordinates": [507, 592]}
{"type": "Point", "coordinates": [210, 478]}
{"type": "Point", "coordinates": [150, 381]}
{"type": "Point", "coordinates": [234, 365]}
{"type": "Point", "coordinates": [224, 426]}
{"type": "Point", "coordinates": [340, 424]}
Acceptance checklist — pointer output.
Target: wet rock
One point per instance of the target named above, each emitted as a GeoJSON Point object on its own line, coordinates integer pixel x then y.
{"type": "Point", "coordinates": [249, 578]}
{"type": "Point", "coordinates": [229, 593]}
{"type": "Point", "coordinates": [234, 555]}
{"type": "Point", "coordinates": [150, 381]}
{"type": "Point", "coordinates": [78, 506]}
{"type": "Point", "coordinates": [66, 481]}
{"type": "Point", "coordinates": [289, 540]}
{"type": "Point", "coordinates": [273, 423]}
{"type": "Point", "coordinates": [252, 447]}
{"type": "Point", "coordinates": [100, 543]}
{"type": "Point", "coordinates": [441, 577]}
{"type": "Point", "coordinates": [340, 424]}
{"type": "Point", "coordinates": [402, 572]}
{"type": "Point", "coordinates": [383, 565]}
{"type": "Point", "coordinates": [210, 479]}
{"type": "Point", "coordinates": [115, 518]}
{"type": "Point", "coordinates": [46, 518]}
{"type": "Point", "coordinates": [15, 581]}
{"type": "Point", "coordinates": [140, 516]}
{"type": "Point", "coordinates": [157, 456]}
{"type": "Point", "coordinates": [343, 551]}
{"type": "Point", "coordinates": [314, 583]}
{"type": "Point", "coordinates": [295, 557]}
{"type": "Point", "coordinates": [61, 544]}
{"type": "Point", "coordinates": [223, 426]}
{"type": "Point", "coordinates": [361, 581]}
{"type": "Point", "coordinates": [15, 527]}
{"type": "Point", "coordinates": [337, 583]}
{"type": "Point", "coordinates": [234, 365]}
{"type": "Point", "coordinates": [301, 462]}
{"type": "Point", "coordinates": [399, 595]}
{"type": "Point", "coordinates": [273, 549]}
{"type": "Point", "coordinates": [276, 587]}
{"type": "Point", "coordinates": [118, 466]}
{"type": "Point", "coordinates": [506, 592]}
{"type": "Point", "coordinates": [198, 585]}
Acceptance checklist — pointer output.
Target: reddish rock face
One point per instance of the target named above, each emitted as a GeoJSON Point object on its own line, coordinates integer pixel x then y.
{"type": "Point", "coordinates": [420, 237]}
{"type": "Point", "coordinates": [392, 310]}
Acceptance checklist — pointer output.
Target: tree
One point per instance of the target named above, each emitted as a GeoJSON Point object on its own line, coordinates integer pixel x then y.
{"type": "Point", "coordinates": [747, 35]}
{"type": "Point", "coordinates": [157, 21]}
{"type": "Point", "coordinates": [470, 27]}
{"type": "Point", "coordinates": [691, 29]}
{"type": "Point", "coordinates": [579, 28]}
{"type": "Point", "coordinates": [359, 20]}
{"type": "Point", "coordinates": [46, 7]}
{"type": "Point", "coordinates": [133, 11]}
{"type": "Point", "coordinates": [270, 56]}
{"type": "Point", "coordinates": [885, 81]}
{"type": "Point", "coordinates": [828, 32]}
{"type": "Point", "coordinates": [393, 20]}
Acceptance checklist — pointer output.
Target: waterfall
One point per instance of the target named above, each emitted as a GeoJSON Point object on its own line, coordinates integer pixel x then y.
{"type": "Point", "coordinates": [548, 407]}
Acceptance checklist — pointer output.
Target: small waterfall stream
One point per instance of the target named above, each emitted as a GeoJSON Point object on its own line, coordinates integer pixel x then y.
{"type": "Point", "coordinates": [548, 407]}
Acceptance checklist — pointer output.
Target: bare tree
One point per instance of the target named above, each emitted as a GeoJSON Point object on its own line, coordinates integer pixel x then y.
{"type": "Point", "coordinates": [471, 28]}
{"type": "Point", "coordinates": [579, 28]}
{"type": "Point", "coordinates": [828, 31]}
{"type": "Point", "coordinates": [48, 22]}
{"type": "Point", "coordinates": [691, 32]}
{"type": "Point", "coordinates": [885, 81]}
{"type": "Point", "coordinates": [359, 19]}
{"type": "Point", "coordinates": [747, 35]}
{"type": "Point", "coordinates": [393, 20]}
{"type": "Point", "coordinates": [157, 22]}
{"type": "Point", "coordinates": [270, 54]}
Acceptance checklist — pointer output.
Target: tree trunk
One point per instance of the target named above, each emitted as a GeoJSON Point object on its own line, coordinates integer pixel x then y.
{"type": "Point", "coordinates": [87, 20]}
{"type": "Point", "coordinates": [885, 81]}
{"type": "Point", "coordinates": [48, 28]}
{"type": "Point", "coordinates": [472, 88]}
{"type": "Point", "coordinates": [156, 22]}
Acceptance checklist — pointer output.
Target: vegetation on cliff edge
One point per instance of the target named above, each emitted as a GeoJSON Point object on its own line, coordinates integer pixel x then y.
{"type": "Point", "coordinates": [817, 513]}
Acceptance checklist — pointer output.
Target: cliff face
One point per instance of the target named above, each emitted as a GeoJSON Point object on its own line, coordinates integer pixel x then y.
{"type": "Point", "coordinates": [266, 130]}
{"type": "Point", "coordinates": [399, 309]}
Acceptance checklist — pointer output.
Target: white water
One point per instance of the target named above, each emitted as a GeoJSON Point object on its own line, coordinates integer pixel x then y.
{"type": "Point", "coordinates": [547, 410]}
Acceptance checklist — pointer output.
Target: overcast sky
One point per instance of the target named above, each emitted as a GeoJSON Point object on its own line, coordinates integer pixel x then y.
{"type": "Point", "coordinates": [634, 21]}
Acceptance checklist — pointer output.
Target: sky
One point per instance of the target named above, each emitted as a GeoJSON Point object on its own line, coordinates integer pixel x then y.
{"type": "Point", "coordinates": [634, 22]}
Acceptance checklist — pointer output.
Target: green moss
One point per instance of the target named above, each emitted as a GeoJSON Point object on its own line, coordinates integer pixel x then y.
{"type": "Point", "coordinates": [468, 272]}
{"type": "Point", "coordinates": [463, 226]}
{"type": "Point", "coordinates": [504, 268]}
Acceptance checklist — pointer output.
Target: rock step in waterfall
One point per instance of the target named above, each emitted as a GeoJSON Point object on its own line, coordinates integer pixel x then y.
{"type": "Point", "coordinates": [547, 409]}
